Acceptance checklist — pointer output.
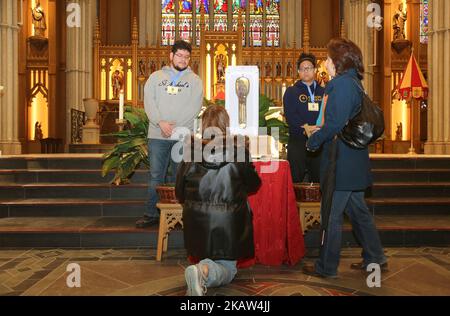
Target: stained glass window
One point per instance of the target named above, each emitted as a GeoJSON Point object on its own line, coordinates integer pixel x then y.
{"type": "Point", "coordinates": [256, 22]}
{"type": "Point", "coordinates": [197, 28]}
{"type": "Point", "coordinates": [185, 20]}
{"type": "Point", "coordinates": [273, 22]}
{"type": "Point", "coordinates": [260, 18]}
{"type": "Point", "coordinates": [205, 4]}
{"type": "Point", "coordinates": [185, 6]}
{"type": "Point", "coordinates": [168, 22]}
{"type": "Point", "coordinates": [239, 5]}
{"type": "Point", "coordinates": [168, 6]}
{"type": "Point", "coordinates": [424, 14]}
{"type": "Point", "coordinates": [220, 15]}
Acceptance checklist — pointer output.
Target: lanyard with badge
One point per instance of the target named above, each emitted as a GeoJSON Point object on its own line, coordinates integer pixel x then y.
{"type": "Point", "coordinates": [313, 106]}
{"type": "Point", "coordinates": [173, 89]}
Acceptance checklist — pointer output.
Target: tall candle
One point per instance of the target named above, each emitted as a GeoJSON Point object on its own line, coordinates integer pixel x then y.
{"type": "Point", "coordinates": [121, 104]}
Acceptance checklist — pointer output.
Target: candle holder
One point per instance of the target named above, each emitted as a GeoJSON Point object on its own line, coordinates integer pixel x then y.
{"type": "Point", "coordinates": [121, 124]}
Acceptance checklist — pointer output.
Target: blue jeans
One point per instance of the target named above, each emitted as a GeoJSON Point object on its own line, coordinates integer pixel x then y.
{"type": "Point", "coordinates": [354, 205]}
{"type": "Point", "coordinates": [220, 272]}
{"type": "Point", "coordinates": [159, 152]}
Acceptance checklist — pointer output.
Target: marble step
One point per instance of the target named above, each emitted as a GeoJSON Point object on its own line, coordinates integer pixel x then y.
{"type": "Point", "coordinates": [409, 189]}
{"type": "Point", "coordinates": [94, 162]}
{"type": "Point", "coordinates": [22, 176]}
{"type": "Point", "coordinates": [71, 208]}
{"type": "Point", "coordinates": [102, 191]}
{"type": "Point", "coordinates": [113, 232]}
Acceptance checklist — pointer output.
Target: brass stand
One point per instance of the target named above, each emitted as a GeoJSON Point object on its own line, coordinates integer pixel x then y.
{"type": "Point", "coordinates": [121, 124]}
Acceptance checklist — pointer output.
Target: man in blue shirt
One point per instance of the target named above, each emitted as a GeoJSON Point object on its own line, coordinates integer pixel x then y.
{"type": "Point", "coordinates": [301, 108]}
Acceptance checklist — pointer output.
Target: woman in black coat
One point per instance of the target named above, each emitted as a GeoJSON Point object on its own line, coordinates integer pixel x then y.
{"type": "Point", "coordinates": [217, 218]}
{"type": "Point", "coordinates": [351, 167]}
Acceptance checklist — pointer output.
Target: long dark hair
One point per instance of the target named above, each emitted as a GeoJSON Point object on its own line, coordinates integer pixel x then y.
{"type": "Point", "coordinates": [346, 55]}
{"type": "Point", "coordinates": [216, 116]}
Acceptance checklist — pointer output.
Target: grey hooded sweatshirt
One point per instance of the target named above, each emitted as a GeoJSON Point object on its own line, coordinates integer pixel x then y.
{"type": "Point", "coordinates": [181, 107]}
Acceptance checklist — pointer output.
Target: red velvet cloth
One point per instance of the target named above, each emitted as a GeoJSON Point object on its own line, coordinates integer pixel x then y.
{"type": "Point", "coordinates": [276, 223]}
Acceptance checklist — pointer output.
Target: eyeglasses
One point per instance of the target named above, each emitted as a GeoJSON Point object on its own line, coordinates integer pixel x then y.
{"type": "Point", "coordinates": [187, 57]}
{"type": "Point", "coordinates": [306, 69]}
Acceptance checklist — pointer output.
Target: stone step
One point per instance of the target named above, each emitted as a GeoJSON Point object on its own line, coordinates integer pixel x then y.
{"type": "Point", "coordinates": [408, 162]}
{"type": "Point", "coordinates": [113, 232]}
{"type": "Point", "coordinates": [94, 162]}
{"type": "Point", "coordinates": [411, 175]}
{"type": "Point", "coordinates": [102, 191]}
{"type": "Point", "coordinates": [412, 189]}
{"type": "Point", "coordinates": [409, 206]}
{"type": "Point", "coordinates": [22, 176]}
{"type": "Point", "coordinates": [71, 208]}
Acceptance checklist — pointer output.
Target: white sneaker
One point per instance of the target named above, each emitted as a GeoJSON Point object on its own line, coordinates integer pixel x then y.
{"type": "Point", "coordinates": [195, 282]}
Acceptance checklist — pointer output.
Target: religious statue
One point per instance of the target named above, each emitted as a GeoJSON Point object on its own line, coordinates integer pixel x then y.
{"type": "Point", "coordinates": [399, 132]}
{"type": "Point", "coordinates": [289, 70]}
{"type": "Point", "coordinates": [242, 91]}
{"type": "Point", "coordinates": [278, 69]}
{"type": "Point", "coordinates": [399, 22]}
{"type": "Point", "coordinates": [195, 67]}
{"type": "Point", "coordinates": [38, 17]}
{"type": "Point", "coordinates": [268, 69]}
{"type": "Point", "coordinates": [38, 135]}
{"type": "Point", "coordinates": [221, 68]}
{"type": "Point", "coordinates": [117, 84]}
{"type": "Point", "coordinates": [142, 67]}
{"type": "Point", "coordinates": [152, 67]}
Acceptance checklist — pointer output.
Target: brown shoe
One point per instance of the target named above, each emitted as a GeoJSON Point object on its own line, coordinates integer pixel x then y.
{"type": "Point", "coordinates": [362, 266]}
{"type": "Point", "coordinates": [311, 270]}
{"type": "Point", "coordinates": [146, 221]}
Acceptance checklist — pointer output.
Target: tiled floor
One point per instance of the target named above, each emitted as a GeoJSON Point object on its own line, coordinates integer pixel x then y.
{"type": "Point", "coordinates": [423, 271]}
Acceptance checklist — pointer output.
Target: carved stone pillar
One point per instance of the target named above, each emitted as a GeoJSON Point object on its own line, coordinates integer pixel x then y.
{"type": "Point", "coordinates": [149, 22]}
{"type": "Point", "coordinates": [79, 68]}
{"type": "Point", "coordinates": [439, 79]}
{"type": "Point", "coordinates": [363, 36]}
{"type": "Point", "coordinates": [9, 97]}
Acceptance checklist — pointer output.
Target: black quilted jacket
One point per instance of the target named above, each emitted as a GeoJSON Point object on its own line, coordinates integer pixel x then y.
{"type": "Point", "coordinates": [216, 215]}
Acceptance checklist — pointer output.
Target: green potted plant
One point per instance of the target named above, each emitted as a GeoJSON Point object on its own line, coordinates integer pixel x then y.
{"type": "Point", "coordinates": [131, 150]}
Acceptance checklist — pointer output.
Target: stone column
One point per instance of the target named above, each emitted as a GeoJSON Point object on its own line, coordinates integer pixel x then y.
{"type": "Point", "coordinates": [9, 78]}
{"type": "Point", "coordinates": [291, 22]}
{"type": "Point", "coordinates": [358, 31]}
{"type": "Point", "coordinates": [149, 22]}
{"type": "Point", "coordinates": [439, 79]}
{"type": "Point", "coordinates": [79, 68]}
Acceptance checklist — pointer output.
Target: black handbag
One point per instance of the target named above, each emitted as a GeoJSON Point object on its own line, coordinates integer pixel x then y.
{"type": "Point", "coordinates": [366, 126]}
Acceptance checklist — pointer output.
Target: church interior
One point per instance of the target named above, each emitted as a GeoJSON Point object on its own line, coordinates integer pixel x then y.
{"type": "Point", "coordinates": [67, 68]}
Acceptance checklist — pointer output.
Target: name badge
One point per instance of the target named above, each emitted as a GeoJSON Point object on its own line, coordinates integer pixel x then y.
{"type": "Point", "coordinates": [313, 107]}
{"type": "Point", "coordinates": [172, 90]}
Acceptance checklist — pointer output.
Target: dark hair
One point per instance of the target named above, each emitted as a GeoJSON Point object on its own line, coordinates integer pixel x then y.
{"type": "Point", "coordinates": [306, 57]}
{"type": "Point", "coordinates": [181, 45]}
{"type": "Point", "coordinates": [216, 116]}
{"type": "Point", "coordinates": [346, 55]}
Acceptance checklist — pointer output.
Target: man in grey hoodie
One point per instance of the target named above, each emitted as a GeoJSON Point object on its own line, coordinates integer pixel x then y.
{"type": "Point", "coordinates": [173, 98]}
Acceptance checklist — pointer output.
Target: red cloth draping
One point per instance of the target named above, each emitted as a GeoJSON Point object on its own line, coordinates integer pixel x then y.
{"type": "Point", "coordinates": [276, 223]}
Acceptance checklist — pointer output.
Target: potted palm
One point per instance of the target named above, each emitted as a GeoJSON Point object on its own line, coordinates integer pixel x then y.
{"type": "Point", "coordinates": [131, 150]}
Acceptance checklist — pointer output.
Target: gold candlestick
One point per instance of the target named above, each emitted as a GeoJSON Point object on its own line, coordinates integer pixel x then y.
{"type": "Point", "coordinates": [121, 124]}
